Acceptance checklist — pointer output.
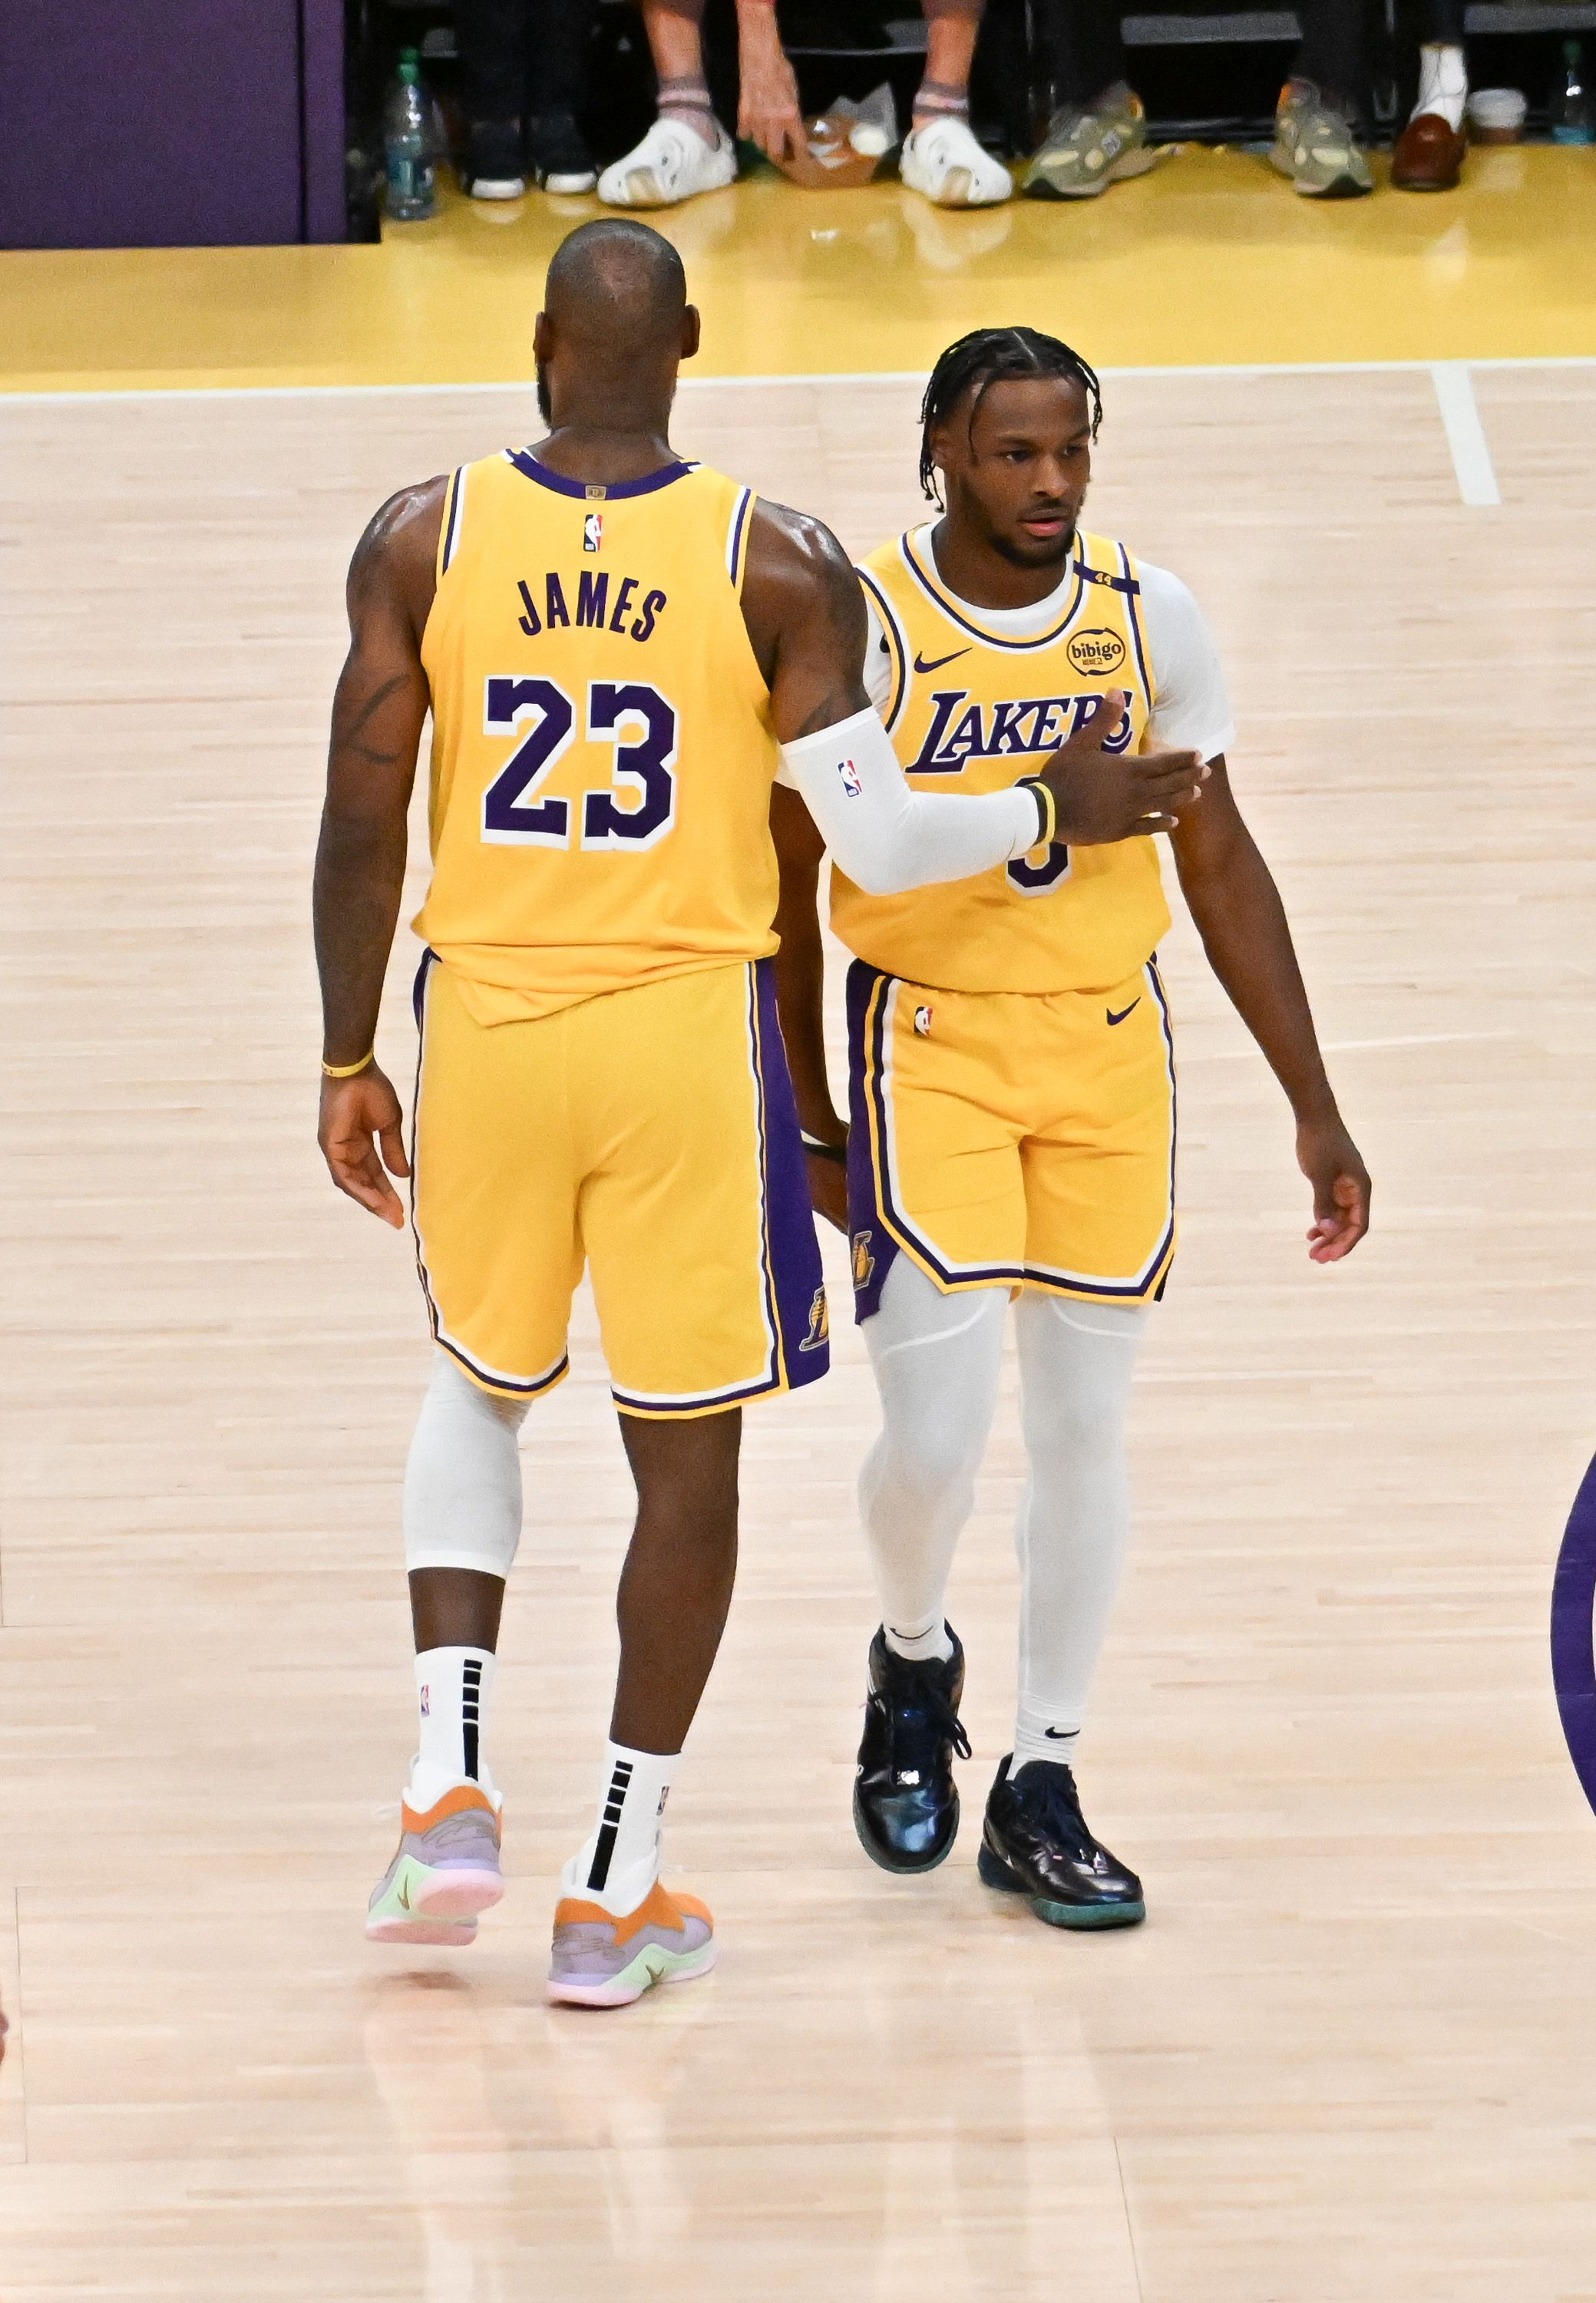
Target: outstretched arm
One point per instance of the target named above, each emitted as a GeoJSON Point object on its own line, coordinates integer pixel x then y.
{"type": "Point", "coordinates": [1242, 922]}
{"type": "Point", "coordinates": [806, 617]}
{"type": "Point", "coordinates": [378, 710]}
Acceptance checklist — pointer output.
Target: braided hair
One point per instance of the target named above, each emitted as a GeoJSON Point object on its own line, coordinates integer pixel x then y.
{"type": "Point", "coordinates": [984, 358]}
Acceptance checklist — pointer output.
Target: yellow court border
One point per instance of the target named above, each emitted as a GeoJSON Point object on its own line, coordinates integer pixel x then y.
{"type": "Point", "coordinates": [1209, 261]}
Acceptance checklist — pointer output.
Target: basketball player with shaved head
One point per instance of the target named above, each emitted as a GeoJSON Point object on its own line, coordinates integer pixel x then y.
{"type": "Point", "coordinates": [1012, 1119]}
{"type": "Point", "coordinates": [617, 648]}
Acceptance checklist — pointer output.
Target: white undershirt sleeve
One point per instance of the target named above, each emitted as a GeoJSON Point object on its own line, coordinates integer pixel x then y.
{"type": "Point", "coordinates": [1191, 710]}
{"type": "Point", "coordinates": [887, 836]}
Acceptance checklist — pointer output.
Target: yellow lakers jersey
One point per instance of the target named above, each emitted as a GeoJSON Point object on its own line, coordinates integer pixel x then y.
{"type": "Point", "coordinates": [974, 710]}
{"type": "Point", "coordinates": [602, 755]}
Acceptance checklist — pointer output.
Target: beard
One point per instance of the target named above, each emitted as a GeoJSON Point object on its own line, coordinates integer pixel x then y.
{"type": "Point", "coordinates": [1034, 551]}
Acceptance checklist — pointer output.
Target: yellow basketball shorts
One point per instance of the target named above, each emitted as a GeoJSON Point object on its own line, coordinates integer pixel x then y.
{"type": "Point", "coordinates": [650, 1133]}
{"type": "Point", "coordinates": [1012, 1138]}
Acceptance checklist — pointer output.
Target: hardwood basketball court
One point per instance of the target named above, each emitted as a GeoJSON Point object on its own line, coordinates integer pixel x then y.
{"type": "Point", "coordinates": [1350, 2058]}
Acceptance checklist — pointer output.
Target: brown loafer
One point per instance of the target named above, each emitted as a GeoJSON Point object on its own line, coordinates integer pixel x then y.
{"type": "Point", "coordinates": [1429, 155]}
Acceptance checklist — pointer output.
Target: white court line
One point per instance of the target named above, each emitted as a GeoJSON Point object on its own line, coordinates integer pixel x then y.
{"type": "Point", "coordinates": [1356, 1047]}
{"type": "Point", "coordinates": [1465, 435]}
{"type": "Point", "coordinates": [913, 375]}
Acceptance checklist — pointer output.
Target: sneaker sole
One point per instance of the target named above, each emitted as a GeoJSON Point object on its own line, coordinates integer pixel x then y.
{"type": "Point", "coordinates": [498, 188]}
{"type": "Point", "coordinates": [955, 192]}
{"type": "Point", "coordinates": [995, 1873]}
{"type": "Point", "coordinates": [654, 1965]}
{"type": "Point", "coordinates": [1139, 163]}
{"type": "Point", "coordinates": [901, 1870]}
{"type": "Point", "coordinates": [452, 1934]}
{"type": "Point", "coordinates": [450, 1899]}
{"type": "Point", "coordinates": [564, 187]}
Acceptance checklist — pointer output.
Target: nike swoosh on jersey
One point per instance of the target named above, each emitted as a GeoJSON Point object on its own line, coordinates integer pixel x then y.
{"type": "Point", "coordinates": [937, 663]}
{"type": "Point", "coordinates": [1124, 1012]}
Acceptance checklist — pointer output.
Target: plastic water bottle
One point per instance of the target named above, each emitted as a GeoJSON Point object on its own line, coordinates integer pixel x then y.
{"type": "Point", "coordinates": [407, 145]}
{"type": "Point", "coordinates": [1572, 120]}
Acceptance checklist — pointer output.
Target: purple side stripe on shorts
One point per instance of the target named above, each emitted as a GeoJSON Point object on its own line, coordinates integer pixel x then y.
{"type": "Point", "coordinates": [799, 1281]}
{"type": "Point", "coordinates": [870, 1245]}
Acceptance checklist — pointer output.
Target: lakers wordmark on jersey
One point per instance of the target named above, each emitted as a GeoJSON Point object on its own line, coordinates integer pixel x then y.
{"type": "Point", "coordinates": [973, 709]}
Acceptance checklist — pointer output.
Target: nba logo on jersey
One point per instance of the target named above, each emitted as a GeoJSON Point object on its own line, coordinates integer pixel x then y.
{"type": "Point", "coordinates": [593, 529]}
{"type": "Point", "coordinates": [850, 779]}
{"type": "Point", "coordinates": [923, 1022]}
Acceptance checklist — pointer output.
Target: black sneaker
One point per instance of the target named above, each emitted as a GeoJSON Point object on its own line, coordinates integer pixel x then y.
{"type": "Point", "coordinates": [1036, 1843]}
{"type": "Point", "coordinates": [561, 160]}
{"type": "Point", "coordinates": [905, 1801]}
{"type": "Point", "coordinates": [494, 169]}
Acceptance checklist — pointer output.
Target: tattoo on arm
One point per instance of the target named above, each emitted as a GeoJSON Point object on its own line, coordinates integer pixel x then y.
{"type": "Point", "coordinates": [378, 710]}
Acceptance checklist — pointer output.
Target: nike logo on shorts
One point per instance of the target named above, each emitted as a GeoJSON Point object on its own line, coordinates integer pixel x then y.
{"type": "Point", "coordinates": [937, 662]}
{"type": "Point", "coordinates": [1124, 1012]}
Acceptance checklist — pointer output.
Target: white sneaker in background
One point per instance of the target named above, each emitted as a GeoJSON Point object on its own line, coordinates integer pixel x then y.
{"type": "Point", "coordinates": [944, 161]}
{"type": "Point", "coordinates": [673, 163]}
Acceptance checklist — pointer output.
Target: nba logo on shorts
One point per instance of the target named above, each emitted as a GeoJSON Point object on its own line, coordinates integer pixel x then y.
{"type": "Point", "coordinates": [850, 779]}
{"type": "Point", "coordinates": [593, 529]}
{"type": "Point", "coordinates": [923, 1022]}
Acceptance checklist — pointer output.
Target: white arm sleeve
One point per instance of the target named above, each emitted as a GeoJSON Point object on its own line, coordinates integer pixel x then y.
{"type": "Point", "coordinates": [1192, 710]}
{"type": "Point", "coordinates": [883, 835]}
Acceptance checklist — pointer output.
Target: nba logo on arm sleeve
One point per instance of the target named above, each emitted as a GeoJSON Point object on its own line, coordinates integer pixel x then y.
{"type": "Point", "coordinates": [850, 777]}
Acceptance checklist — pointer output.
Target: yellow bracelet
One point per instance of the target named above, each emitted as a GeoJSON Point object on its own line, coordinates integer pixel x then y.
{"type": "Point", "coordinates": [1049, 831]}
{"type": "Point", "coordinates": [348, 1071]}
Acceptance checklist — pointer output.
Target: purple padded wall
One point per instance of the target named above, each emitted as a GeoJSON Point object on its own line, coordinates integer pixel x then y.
{"type": "Point", "coordinates": [165, 123]}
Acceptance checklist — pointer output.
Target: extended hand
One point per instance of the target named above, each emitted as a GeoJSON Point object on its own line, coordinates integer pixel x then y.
{"type": "Point", "coordinates": [1329, 1159]}
{"type": "Point", "coordinates": [357, 1115]}
{"type": "Point", "coordinates": [767, 106]}
{"type": "Point", "coordinates": [1105, 795]}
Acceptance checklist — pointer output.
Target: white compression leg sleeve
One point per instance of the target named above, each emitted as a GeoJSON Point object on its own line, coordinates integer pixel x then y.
{"type": "Point", "coordinates": [937, 1360]}
{"type": "Point", "coordinates": [463, 1484]}
{"type": "Point", "coordinates": [1076, 1364]}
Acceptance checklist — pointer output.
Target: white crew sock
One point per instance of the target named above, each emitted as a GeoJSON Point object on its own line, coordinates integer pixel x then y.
{"type": "Point", "coordinates": [1076, 1363]}
{"type": "Point", "coordinates": [453, 1687]}
{"type": "Point", "coordinates": [620, 1860]}
{"type": "Point", "coordinates": [1443, 81]}
{"type": "Point", "coordinates": [936, 1360]}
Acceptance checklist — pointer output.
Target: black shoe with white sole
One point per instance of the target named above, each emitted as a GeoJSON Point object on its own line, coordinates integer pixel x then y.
{"type": "Point", "coordinates": [561, 160]}
{"type": "Point", "coordinates": [1035, 1842]}
{"type": "Point", "coordinates": [495, 167]}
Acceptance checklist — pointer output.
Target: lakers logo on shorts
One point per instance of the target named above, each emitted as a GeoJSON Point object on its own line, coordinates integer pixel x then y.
{"type": "Point", "coordinates": [863, 1262]}
{"type": "Point", "coordinates": [1097, 653]}
{"type": "Point", "coordinates": [819, 1324]}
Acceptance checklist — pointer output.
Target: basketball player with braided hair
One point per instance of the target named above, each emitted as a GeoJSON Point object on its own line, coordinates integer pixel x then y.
{"type": "Point", "coordinates": [1012, 1091]}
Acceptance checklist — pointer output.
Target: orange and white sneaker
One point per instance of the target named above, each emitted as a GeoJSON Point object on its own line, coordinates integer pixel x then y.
{"type": "Point", "coordinates": [599, 1961]}
{"type": "Point", "coordinates": [445, 1873]}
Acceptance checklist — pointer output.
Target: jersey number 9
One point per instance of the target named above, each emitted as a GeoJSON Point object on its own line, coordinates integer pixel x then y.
{"type": "Point", "coordinates": [634, 719]}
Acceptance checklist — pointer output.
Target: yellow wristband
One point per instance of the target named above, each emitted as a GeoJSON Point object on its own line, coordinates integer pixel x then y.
{"type": "Point", "coordinates": [348, 1071]}
{"type": "Point", "coordinates": [1050, 830]}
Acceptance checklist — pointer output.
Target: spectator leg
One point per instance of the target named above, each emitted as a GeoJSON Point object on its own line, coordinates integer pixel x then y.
{"type": "Point", "coordinates": [1443, 69]}
{"type": "Point", "coordinates": [1334, 54]}
{"type": "Point", "coordinates": [491, 38]}
{"type": "Point", "coordinates": [560, 53]}
{"type": "Point", "coordinates": [1084, 53]}
{"type": "Point", "coordinates": [950, 29]}
{"type": "Point", "coordinates": [676, 43]}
